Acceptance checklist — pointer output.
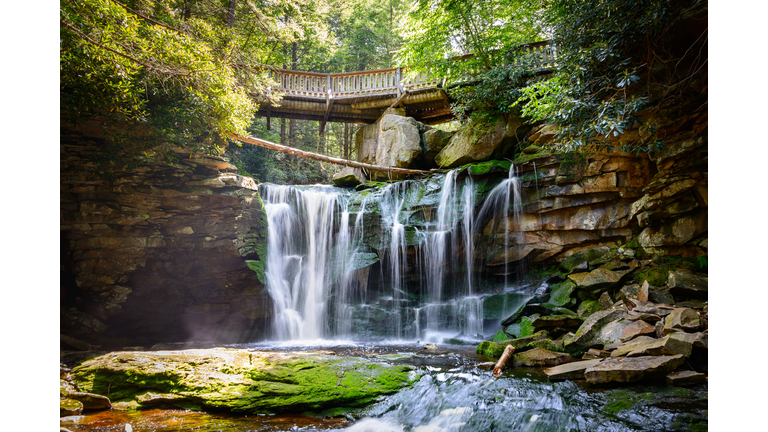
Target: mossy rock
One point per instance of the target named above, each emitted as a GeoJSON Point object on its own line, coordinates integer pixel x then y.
{"type": "Point", "coordinates": [657, 276]}
{"type": "Point", "coordinates": [526, 325]}
{"type": "Point", "coordinates": [500, 336]}
{"type": "Point", "coordinates": [70, 407]}
{"type": "Point", "coordinates": [561, 293]}
{"type": "Point", "coordinates": [588, 307]}
{"type": "Point", "coordinates": [490, 167]}
{"type": "Point", "coordinates": [581, 257]}
{"type": "Point", "coordinates": [494, 350]}
{"type": "Point", "coordinates": [242, 381]}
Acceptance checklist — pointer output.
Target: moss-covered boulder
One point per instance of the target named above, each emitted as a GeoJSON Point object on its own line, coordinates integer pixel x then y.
{"type": "Point", "coordinates": [588, 307]}
{"type": "Point", "coordinates": [539, 357]}
{"type": "Point", "coordinates": [482, 140]}
{"type": "Point", "coordinates": [493, 349]}
{"type": "Point", "coordinates": [561, 293]}
{"type": "Point", "coordinates": [593, 333]}
{"type": "Point", "coordinates": [69, 407]}
{"type": "Point", "coordinates": [581, 257]}
{"type": "Point", "coordinates": [241, 380]}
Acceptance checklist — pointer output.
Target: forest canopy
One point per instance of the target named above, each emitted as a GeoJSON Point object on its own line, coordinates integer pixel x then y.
{"type": "Point", "coordinates": [187, 73]}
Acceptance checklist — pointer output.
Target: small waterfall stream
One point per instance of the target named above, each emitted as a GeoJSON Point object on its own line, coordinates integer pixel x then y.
{"type": "Point", "coordinates": [403, 268]}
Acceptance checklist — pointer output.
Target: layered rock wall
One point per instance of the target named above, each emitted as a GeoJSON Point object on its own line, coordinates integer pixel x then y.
{"type": "Point", "coordinates": [160, 252]}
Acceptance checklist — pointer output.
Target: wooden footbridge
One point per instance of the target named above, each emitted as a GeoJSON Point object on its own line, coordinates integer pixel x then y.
{"type": "Point", "coordinates": [363, 96]}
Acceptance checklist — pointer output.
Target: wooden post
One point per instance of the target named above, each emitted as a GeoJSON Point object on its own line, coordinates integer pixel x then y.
{"type": "Point", "coordinates": [269, 117]}
{"type": "Point", "coordinates": [508, 351]}
{"type": "Point", "coordinates": [398, 75]}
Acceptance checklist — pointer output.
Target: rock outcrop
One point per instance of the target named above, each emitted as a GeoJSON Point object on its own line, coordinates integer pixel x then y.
{"type": "Point", "coordinates": [400, 142]}
{"type": "Point", "coordinates": [162, 252]}
{"type": "Point", "coordinates": [478, 142]}
{"type": "Point", "coordinates": [241, 381]}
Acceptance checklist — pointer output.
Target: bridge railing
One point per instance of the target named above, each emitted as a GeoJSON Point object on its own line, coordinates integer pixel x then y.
{"type": "Point", "coordinates": [541, 55]}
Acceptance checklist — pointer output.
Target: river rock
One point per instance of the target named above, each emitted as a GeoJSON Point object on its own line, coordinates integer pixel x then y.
{"type": "Point", "coordinates": [538, 357]}
{"type": "Point", "coordinates": [683, 319]}
{"type": "Point", "coordinates": [625, 370]}
{"type": "Point", "coordinates": [240, 380]}
{"type": "Point", "coordinates": [91, 401]}
{"type": "Point", "coordinates": [685, 282]}
{"type": "Point", "coordinates": [644, 345]}
{"type": "Point", "coordinates": [573, 370]}
{"type": "Point", "coordinates": [70, 407]}
{"type": "Point", "coordinates": [349, 176]}
{"type": "Point", "coordinates": [686, 378]}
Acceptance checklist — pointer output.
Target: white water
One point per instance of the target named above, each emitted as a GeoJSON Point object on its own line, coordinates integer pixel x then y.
{"type": "Point", "coordinates": [318, 290]}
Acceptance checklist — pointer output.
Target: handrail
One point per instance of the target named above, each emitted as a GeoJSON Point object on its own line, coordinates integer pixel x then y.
{"type": "Point", "coordinates": [378, 81]}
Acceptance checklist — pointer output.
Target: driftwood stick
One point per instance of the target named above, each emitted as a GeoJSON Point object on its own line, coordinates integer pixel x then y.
{"type": "Point", "coordinates": [324, 158]}
{"type": "Point", "coordinates": [508, 351]}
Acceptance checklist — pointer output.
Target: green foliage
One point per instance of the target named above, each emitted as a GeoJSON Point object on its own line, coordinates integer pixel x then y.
{"type": "Point", "coordinates": [604, 48]}
{"type": "Point", "coordinates": [157, 75]}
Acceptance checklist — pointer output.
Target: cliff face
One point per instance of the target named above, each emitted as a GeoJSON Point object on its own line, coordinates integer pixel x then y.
{"type": "Point", "coordinates": [160, 252]}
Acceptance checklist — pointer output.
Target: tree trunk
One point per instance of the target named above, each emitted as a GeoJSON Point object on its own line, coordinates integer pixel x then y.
{"type": "Point", "coordinates": [323, 158]}
{"type": "Point", "coordinates": [282, 131]}
{"type": "Point", "coordinates": [231, 13]}
{"type": "Point", "coordinates": [508, 351]}
{"type": "Point", "coordinates": [187, 10]}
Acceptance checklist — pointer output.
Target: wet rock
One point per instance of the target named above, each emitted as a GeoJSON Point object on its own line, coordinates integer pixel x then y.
{"type": "Point", "coordinates": [637, 328]}
{"type": "Point", "coordinates": [644, 345]}
{"type": "Point", "coordinates": [624, 370]}
{"type": "Point", "coordinates": [241, 380]}
{"type": "Point", "coordinates": [683, 319]}
{"type": "Point", "coordinates": [70, 407]}
{"type": "Point", "coordinates": [91, 401]}
{"type": "Point", "coordinates": [573, 370]}
{"type": "Point", "coordinates": [491, 349]}
{"type": "Point", "coordinates": [660, 295]}
{"type": "Point", "coordinates": [486, 365]}
{"type": "Point", "coordinates": [538, 357]}
{"type": "Point", "coordinates": [430, 346]}
{"type": "Point", "coordinates": [556, 321]}
{"type": "Point", "coordinates": [686, 378]}
{"type": "Point", "coordinates": [685, 282]}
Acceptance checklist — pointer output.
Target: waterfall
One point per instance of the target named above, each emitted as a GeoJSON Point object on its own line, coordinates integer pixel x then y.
{"type": "Point", "coordinates": [395, 262]}
{"type": "Point", "coordinates": [300, 237]}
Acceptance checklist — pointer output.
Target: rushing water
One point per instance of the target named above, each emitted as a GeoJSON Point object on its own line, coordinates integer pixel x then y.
{"type": "Point", "coordinates": [393, 263]}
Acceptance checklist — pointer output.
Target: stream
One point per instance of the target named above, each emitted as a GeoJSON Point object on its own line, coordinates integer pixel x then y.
{"type": "Point", "coordinates": [452, 395]}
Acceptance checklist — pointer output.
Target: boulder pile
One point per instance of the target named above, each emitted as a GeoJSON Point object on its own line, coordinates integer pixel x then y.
{"type": "Point", "coordinates": [625, 319]}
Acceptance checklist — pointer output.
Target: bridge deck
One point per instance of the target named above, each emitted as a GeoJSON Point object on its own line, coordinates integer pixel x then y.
{"type": "Point", "coordinates": [362, 97]}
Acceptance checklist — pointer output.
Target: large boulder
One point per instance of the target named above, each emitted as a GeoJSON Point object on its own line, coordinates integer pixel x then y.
{"type": "Point", "coordinates": [539, 357]}
{"type": "Point", "coordinates": [399, 142]}
{"type": "Point", "coordinates": [349, 176]}
{"type": "Point", "coordinates": [597, 279]}
{"type": "Point", "coordinates": [626, 370]}
{"type": "Point", "coordinates": [479, 142]}
{"type": "Point", "coordinates": [686, 282]}
{"type": "Point", "coordinates": [241, 380]}
{"type": "Point", "coordinates": [434, 140]}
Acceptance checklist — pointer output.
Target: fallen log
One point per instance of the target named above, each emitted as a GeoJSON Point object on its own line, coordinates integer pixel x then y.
{"type": "Point", "coordinates": [323, 158]}
{"type": "Point", "coordinates": [505, 356]}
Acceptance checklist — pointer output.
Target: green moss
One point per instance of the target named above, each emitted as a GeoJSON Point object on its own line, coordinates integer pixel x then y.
{"type": "Point", "coordinates": [238, 381]}
{"type": "Point", "coordinates": [525, 158]}
{"type": "Point", "coordinates": [588, 307]}
{"type": "Point", "coordinates": [526, 326]}
{"type": "Point", "coordinates": [500, 336]}
{"type": "Point", "coordinates": [260, 268]}
{"type": "Point", "coordinates": [561, 293]}
{"type": "Point", "coordinates": [491, 166]}
{"type": "Point", "coordinates": [657, 276]}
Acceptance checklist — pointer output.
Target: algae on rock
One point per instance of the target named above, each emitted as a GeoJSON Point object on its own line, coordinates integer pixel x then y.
{"type": "Point", "coordinates": [241, 380]}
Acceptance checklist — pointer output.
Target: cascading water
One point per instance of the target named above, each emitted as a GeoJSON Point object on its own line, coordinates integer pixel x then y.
{"type": "Point", "coordinates": [422, 236]}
